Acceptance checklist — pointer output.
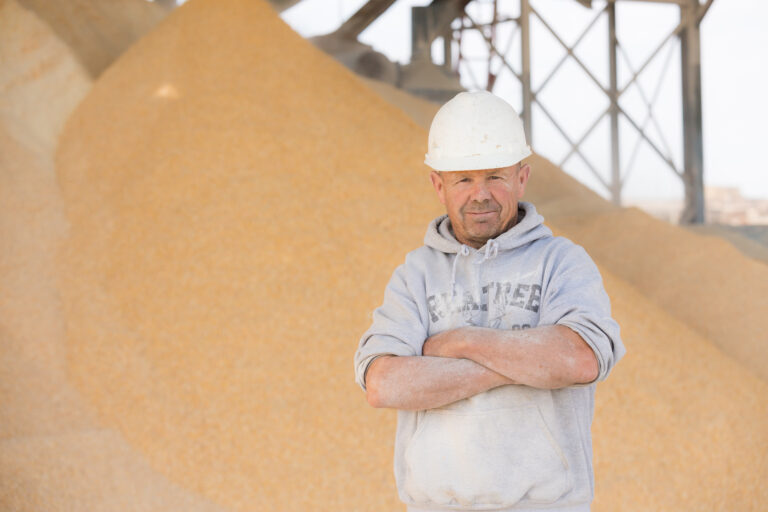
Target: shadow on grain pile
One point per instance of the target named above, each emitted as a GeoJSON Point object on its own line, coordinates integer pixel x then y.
{"type": "Point", "coordinates": [97, 31]}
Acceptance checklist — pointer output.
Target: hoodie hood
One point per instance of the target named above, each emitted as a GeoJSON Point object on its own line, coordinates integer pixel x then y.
{"type": "Point", "coordinates": [530, 227]}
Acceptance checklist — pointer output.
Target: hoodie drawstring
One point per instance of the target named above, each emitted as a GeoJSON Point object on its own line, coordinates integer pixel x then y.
{"type": "Point", "coordinates": [464, 251]}
{"type": "Point", "coordinates": [491, 250]}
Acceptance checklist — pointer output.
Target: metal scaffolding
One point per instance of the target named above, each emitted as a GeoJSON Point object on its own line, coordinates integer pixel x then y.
{"type": "Point", "coordinates": [449, 19]}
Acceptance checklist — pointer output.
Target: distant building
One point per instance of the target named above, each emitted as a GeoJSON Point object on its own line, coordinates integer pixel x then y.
{"type": "Point", "coordinates": [726, 205]}
{"type": "Point", "coordinates": [723, 205]}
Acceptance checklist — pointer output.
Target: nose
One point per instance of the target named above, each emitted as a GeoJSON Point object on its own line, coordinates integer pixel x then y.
{"type": "Point", "coordinates": [480, 192]}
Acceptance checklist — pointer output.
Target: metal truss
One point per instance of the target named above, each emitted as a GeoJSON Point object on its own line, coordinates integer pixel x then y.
{"type": "Point", "coordinates": [684, 37]}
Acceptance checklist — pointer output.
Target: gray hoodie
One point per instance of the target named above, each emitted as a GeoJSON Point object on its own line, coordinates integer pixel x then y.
{"type": "Point", "coordinates": [514, 447]}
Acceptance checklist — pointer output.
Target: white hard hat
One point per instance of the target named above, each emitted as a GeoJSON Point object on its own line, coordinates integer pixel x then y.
{"type": "Point", "coordinates": [475, 130]}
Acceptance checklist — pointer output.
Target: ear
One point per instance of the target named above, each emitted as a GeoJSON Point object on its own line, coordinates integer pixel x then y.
{"type": "Point", "coordinates": [522, 178]}
{"type": "Point", "coordinates": [437, 182]}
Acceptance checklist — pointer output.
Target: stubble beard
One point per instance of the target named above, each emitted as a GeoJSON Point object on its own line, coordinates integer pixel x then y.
{"type": "Point", "coordinates": [478, 237]}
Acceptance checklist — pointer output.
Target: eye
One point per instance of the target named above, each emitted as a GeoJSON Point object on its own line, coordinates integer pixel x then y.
{"type": "Point", "coordinates": [494, 177]}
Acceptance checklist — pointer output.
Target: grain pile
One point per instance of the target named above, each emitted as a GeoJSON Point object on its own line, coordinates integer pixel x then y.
{"type": "Point", "coordinates": [703, 281]}
{"type": "Point", "coordinates": [677, 296]}
{"type": "Point", "coordinates": [679, 425]}
{"type": "Point", "coordinates": [97, 31]}
{"type": "Point", "coordinates": [752, 247]}
{"type": "Point", "coordinates": [420, 110]}
{"type": "Point", "coordinates": [234, 216]}
{"type": "Point", "coordinates": [227, 242]}
{"type": "Point", "coordinates": [53, 453]}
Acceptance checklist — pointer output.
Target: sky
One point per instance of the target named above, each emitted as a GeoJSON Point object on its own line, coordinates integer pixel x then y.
{"type": "Point", "coordinates": [734, 75]}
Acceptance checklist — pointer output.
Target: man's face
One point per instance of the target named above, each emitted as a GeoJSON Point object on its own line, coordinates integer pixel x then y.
{"type": "Point", "coordinates": [481, 204]}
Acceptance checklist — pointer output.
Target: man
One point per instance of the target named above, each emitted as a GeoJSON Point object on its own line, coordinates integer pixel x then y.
{"type": "Point", "coordinates": [491, 336]}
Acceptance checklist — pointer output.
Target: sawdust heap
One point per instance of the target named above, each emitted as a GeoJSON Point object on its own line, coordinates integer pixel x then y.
{"type": "Point", "coordinates": [237, 203]}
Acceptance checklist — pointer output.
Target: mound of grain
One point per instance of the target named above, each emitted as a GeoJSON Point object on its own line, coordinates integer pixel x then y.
{"type": "Point", "coordinates": [678, 425]}
{"type": "Point", "coordinates": [92, 469]}
{"type": "Point", "coordinates": [419, 109]}
{"type": "Point", "coordinates": [98, 31]}
{"type": "Point", "coordinates": [748, 246]}
{"type": "Point", "coordinates": [53, 454]}
{"type": "Point", "coordinates": [223, 182]}
{"type": "Point", "coordinates": [704, 281]}
{"type": "Point", "coordinates": [40, 84]}
{"type": "Point", "coordinates": [236, 209]}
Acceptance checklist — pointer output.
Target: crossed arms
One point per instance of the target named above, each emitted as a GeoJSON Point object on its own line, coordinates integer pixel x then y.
{"type": "Point", "coordinates": [463, 362]}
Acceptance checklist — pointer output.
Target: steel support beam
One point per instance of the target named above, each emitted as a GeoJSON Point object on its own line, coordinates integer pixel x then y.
{"type": "Point", "coordinates": [702, 11]}
{"type": "Point", "coordinates": [447, 50]}
{"type": "Point", "coordinates": [678, 2]}
{"type": "Point", "coordinates": [364, 16]}
{"type": "Point", "coordinates": [614, 105]}
{"type": "Point", "coordinates": [525, 48]}
{"type": "Point", "coordinates": [432, 21]}
{"type": "Point", "coordinates": [693, 156]}
{"type": "Point", "coordinates": [491, 75]}
{"type": "Point", "coordinates": [420, 34]}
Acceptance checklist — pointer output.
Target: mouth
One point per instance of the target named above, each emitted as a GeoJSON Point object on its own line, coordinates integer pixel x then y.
{"type": "Point", "coordinates": [481, 215]}
{"type": "Point", "coordinates": [482, 212]}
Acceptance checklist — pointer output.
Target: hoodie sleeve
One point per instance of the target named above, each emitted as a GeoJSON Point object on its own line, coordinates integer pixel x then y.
{"type": "Point", "coordinates": [575, 297]}
{"type": "Point", "coordinates": [397, 329]}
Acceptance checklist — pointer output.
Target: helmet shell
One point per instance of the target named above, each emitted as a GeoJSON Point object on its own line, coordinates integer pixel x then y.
{"type": "Point", "coordinates": [475, 130]}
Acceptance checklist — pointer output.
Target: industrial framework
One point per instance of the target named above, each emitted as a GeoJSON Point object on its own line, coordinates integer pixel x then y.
{"type": "Point", "coordinates": [438, 79]}
{"type": "Point", "coordinates": [686, 32]}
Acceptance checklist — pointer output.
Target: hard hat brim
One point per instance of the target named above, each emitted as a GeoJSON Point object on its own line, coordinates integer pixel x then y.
{"type": "Point", "coordinates": [477, 162]}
